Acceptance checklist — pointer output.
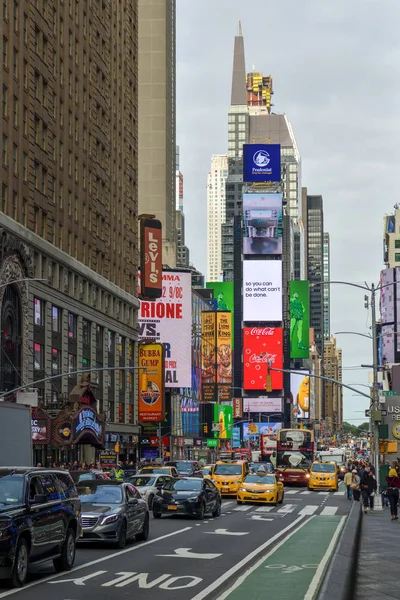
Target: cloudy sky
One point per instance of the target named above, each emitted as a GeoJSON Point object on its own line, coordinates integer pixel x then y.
{"type": "Point", "coordinates": [336, 74]}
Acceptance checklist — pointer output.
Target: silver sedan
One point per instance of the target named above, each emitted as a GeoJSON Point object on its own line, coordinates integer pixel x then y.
{"type": "Point", "coordinates": [149, 485]}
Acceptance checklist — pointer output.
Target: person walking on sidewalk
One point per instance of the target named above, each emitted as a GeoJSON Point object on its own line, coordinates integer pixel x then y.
{"type": "Point", "coordinates": [393, 485]}
{"type": "Point", "coordinates": [368, 489]}
{"type": "Point", "coordinates": [347, 482]}
{"type": "Point", "coordinates": [355, 485]}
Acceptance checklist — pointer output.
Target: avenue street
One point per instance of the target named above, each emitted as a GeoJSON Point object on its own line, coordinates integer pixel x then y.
{"type": "Point", "coordinates": [189, 559]}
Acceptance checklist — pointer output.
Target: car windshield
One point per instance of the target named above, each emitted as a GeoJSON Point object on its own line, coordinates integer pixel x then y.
{"type": "Point", "coordinates": [78, 477]}
{"type": "Point", "coordinates": [142, 481]}
{"type": "Point", "coordinates": [264, 479]}
{"type": "Point", "coordinates": [156, 470]}
{"type": "Point", "coordinates": [100, 494]}
{"type": "Point", "coordinates": [11, 488]}
{"type": "Point", "coordinates": [323, 468]}
{"type": "Point", "coordinates": [228, 470]}
{"type": "Point", "coordinates": [181, 466]}
{"type": "Point", "coordinates": [184, 485]}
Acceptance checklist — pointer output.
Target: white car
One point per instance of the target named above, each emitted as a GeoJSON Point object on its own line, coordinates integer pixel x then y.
{"type": "Point", "coordinates": [149, 484]}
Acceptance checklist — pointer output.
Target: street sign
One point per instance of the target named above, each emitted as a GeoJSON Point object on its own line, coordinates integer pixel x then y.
{"type": "Point", "coordinates": [212, 443]}
{"type": "Point", "coordinates": [384, 413]}
{"type": "Point", "coordinates": [389, 393]}
{"type": "Point", "coordinates": [367, 413]}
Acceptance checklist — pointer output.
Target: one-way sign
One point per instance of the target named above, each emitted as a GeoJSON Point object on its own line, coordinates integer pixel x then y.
{"type": "Point", "coordinates": [368, 413]}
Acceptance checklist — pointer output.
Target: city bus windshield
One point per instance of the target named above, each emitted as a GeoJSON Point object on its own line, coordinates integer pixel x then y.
{"type": "Point", "coordinates": [294, 459]}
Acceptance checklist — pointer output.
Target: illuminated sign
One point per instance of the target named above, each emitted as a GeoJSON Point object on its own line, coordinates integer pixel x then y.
{"type": "Point", "coordinates": [262, 347]}
{"type": "Point", "coordinates": [150, 258]}
{"type": "Point", "coordinates": [261, 162]}
{"type": "Point", "coordinates": [262, 290]}
{"type": "Point", "coordinates": [151, 399]}
{"type": "Point", "coordinates": [262, 224]}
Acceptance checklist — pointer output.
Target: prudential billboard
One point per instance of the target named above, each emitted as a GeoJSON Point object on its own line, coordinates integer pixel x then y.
{"type": "Point", "coordinates": [261, 162]}
{"type": "Point", "coordinates": [299, 319]}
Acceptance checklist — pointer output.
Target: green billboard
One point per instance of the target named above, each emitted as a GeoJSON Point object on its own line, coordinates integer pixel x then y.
{"type": "Point", "coordinates": [299, 303]}
{"type": "Point", "coordinates": [223, 294]}
{"type": "Point", "coordinates": [223, 415]}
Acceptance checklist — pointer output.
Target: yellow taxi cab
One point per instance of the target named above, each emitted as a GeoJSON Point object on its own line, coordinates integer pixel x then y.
{"type": "Point", "coordinates": [324, 475]}
{"type": "Point", "coordinates": [159, 470]}
{"type": "Point", "coordinates": [261, 487]}
{"type": "Point", "coordinates": [228, 475]}
{"type": "Point", "coordinates": [207, 471]}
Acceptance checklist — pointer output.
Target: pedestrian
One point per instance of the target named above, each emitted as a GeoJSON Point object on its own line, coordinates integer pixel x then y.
{"type": "Point", "coordinates": [348, 478]}
{"type": "Point", "coordinates": [393, 485]}
{"type": "Point", "coordinates": [368, 489]}
{"type": "Point", "coordinates": [355, 485]}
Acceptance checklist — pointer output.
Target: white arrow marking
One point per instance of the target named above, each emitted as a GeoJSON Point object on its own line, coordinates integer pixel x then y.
{"type": "Point", "coordinates": [291, 569]}
{"type": "Point", "coordinates": [287, 508]}
{"type": "Point", "coordinates": [185, 553]}
{"type": "Point", "coordinates": [226, 532]}
{"type": "Point", "coordinates": [79, 580]}
{"type": "Point", "coordinates": [264, 509]}
{"type": "Point", "coordinates": [308, 510]}
{"type": "Point", "coordinates": [260, 518]}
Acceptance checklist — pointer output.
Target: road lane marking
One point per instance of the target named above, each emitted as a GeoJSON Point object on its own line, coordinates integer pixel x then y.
{"type": "Point", "coordinates": [292, 492]}
{"type": "Point", "coordinates": [339, 493]}
{"type": "Point", "coordinates": [330, 510]}
{"type": "Point", "coordinates": [226, 532]}
{"type": "Point", "coordinates": [185, 553]}
{"type": "Point", "coordinates": [309, 509]}
{"type": "Point", "coordinates": [287, 508]}
{"type": "Point", "coordinates": [264, 508]}
{"type": "Point", "coordinates": [128, 578]}
{"type": "Point", "coordinates": [323, 493]}
{"type": "Point", "coordinates": [80, 580]}
{"type": "Point", "coordinates": [305, 493]}
{"type": "Point", "coordinates": [260, 518]}
{"type": "Point", "coordinates": [95, 562]}
{"type": "Point", "coordinates": [249, 557]}
{"type": "Point", "coordinates": [243, 508]}
{"type": "Point", "coordinates": [316, 581]}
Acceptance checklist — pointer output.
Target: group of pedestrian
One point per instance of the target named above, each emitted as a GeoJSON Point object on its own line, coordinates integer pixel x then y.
{"type": "Point", "coordinates": [360, 482]}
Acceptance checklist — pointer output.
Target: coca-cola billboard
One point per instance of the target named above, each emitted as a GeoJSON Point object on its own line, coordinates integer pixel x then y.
{"type": "Point", "coordinates": [262, 346]}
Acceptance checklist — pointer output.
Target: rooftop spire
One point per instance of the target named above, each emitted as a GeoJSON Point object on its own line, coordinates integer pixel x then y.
{"type": "Point", "coordinates": [239, 91]}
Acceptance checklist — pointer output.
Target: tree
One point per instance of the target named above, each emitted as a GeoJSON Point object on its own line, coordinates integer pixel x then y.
{"type": "Point", "coordinates": [349, 429]}
{"type": "Point", "coordinates": [364, 426]}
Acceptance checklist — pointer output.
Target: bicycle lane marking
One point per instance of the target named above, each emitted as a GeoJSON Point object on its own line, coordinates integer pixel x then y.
{"type": "Point", "coordinates": [295, 566]}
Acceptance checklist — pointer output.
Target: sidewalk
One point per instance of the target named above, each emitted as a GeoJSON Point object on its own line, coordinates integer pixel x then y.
{"type": "Point", "coordinates": [379, 558]}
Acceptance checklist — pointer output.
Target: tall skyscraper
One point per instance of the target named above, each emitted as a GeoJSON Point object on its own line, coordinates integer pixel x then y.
{"type": "Point", "coordinates": [182, 251]}
{"type": "Point", "coordinates": [333, 393]}
{"type": "Point", "coordinates": [178, 182]}
{"type": "Point", "coordinates": [327, 289]}
{"type": "Point", "coordinates": [216, 182]}
{"type": "Point", "coordinates": [69, 199]}
{"type": "Point", "coordinates": [157, 117]}
{"type": "Point", "coordinates": [391, 238]}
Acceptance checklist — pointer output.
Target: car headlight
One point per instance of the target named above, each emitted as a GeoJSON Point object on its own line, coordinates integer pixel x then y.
{"type": "Point", "coordinates": [332, 477]}
{"type": "Point", "coordinates": [308, 476]}
{"type": "Point", "coordinates": [237, 481]}
{"type": "Point", "coordinates": [242, 489]}
{"type": "Point", "coordinates": [109, 519]}
{"type": "Point", "coordinates": [196, 499]}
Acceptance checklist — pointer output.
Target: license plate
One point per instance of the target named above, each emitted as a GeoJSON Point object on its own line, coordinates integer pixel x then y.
{"type": "Point", "coordinates": [172, 508]}
{"type": "Point", "coordinates": [254, 497]}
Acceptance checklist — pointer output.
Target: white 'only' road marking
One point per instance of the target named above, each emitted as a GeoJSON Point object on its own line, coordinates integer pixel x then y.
{"type": "Point", "coordinates": [95, 562]}
{"type": "Point", "coordinates": [185, 553]}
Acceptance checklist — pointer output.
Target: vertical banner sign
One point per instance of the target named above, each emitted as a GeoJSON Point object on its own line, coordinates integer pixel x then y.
{"type": "Point", "coordinates": [224, 355]}
{"type": "Point", "coordinates": [300, 394]}
{"type": "Point", "coordinates": [223, 416]}
{"type": "Point", "coordinates": [208, 355]}
{"type": "Point", "coordinates": [150, 259]}
{"type": "Point", "coordinates": [237, 405]}
{"type": "Point", "coordinates": [223, 297]}
{"type": "Point", "coordinates": [168, 320]}
{"type": "Point", "coordinates": [299, 319]}
{"type": "Point", "coordinates": [151, 399]}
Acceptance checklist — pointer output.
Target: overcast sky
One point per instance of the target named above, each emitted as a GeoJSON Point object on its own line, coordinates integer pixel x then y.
{"type": "Point", "coordinates": [336, 74]}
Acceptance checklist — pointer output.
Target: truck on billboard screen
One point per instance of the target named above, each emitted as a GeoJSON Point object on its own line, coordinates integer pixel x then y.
{"type": "Point", "coordinates": [151, 395]}
{"type": "Point", "coordinates": [223, 296]}
{"type": "Point", "coordinates": [168, 320]}
{"type": "Point", "coordinates": [150, 258]}
{"type": "Point", "coordinates": [299, 307]}
{"type": "Point", "coordinates": [300, 393]}
{"type": "Point", "coordinates": [262, 219]}
{"type": "Point", "coordinates": [224, 354]}
{"type": "Point", "coordinates": [261, 162]}
{"type": "Point", "coordinates": [262, 347]}
{"type": "Point", "coordinates": [262, 290]}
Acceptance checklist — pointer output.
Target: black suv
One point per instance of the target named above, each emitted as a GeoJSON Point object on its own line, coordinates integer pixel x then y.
{"type": "Point", "coordinates": [40, 520]}
{"type": "Point", "coordinates": [186, 468]}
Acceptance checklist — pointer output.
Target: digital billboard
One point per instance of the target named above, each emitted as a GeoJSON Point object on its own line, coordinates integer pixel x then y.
{"type": "Point", "coordinates": [261, 162]}
{"type": "Point", "coordinates": [262, 290]}
{"type": "Point", "coordinates": [262, 221]}
{"type": "Point", "coordinates": [223, 415]}
{"type": "Point", "coordinates": [300, 393]}
{"type": "Point", "coordinates": [151, 396]}
{"type": "Point", "coordinates": [387, 296]}
{"type": "Point", "coordinates": [261, 429]}
{"type": "Point", "coordinates": [299, 306]}
{"type": "Point", "coordinates": [224, 354]}
{"type": "Point", "coordinates": [262, 404]}
{"type": "Point", "coordinates": [262, 346]}
{"type": "Point", "coordinates": [208, 356]}
{"type": "Point", "coordinates": [388, 344]}
{"type": "Point", "coordinates": [168, 320]}
{"type": "Point", "coordinates": [223, 296]}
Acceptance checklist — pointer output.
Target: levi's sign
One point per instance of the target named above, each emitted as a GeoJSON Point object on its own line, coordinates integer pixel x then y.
{"type": "Point", "coordinates": [150, 259]}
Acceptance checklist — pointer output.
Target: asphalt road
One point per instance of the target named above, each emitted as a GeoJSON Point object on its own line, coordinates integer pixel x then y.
{"type": "Point", "coordinates": [185, 559]}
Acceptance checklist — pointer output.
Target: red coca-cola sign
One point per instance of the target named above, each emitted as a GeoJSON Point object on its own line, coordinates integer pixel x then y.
{"type": "Point", "coordinates": [262, 346]}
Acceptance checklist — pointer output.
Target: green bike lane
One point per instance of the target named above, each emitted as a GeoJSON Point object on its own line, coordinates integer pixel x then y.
{"type": "Point", "coordinates": [295, 567]}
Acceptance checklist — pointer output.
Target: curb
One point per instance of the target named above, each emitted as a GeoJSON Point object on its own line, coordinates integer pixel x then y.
{"type": "Point", "coordinates": [340, 579]}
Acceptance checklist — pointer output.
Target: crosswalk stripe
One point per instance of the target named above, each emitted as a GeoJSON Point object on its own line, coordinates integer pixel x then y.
{"type": "Point", "coordinates": [292, 492]}
{"type": "Point", "coordinates": [287, 508]}
{"type": "Point", "coordinates": [305, 493]}
{"type": "Point", "coordinates": [323, 493]}
{"type": "Point", "coordinates": [339, 493]}
{"type": "Point", "coordinates": [309, 509]}
{"type": "Point", "coordinates": [265, 508]}
{"type": "Point", "coordinates": [226, 502]}
{"type": "Point", "coordinates": [329, 510]}
{"type": "Point", "coordinates": [243, 508]}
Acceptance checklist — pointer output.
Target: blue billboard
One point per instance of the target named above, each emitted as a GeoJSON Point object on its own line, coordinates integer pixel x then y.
{"type": "Point", "coordinates": [261, 162]}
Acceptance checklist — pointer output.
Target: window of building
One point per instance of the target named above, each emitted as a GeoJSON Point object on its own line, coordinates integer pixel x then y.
{"type": "Point", "coordinates": [99, 337]}
{"type": "Point", "coordinates": [120, 345]}
{"type": "Point", "coordinates": [55, 361]}
{"type": "Point", "coordinates": [38, 311]}
{"type": "Point", "coordinates": [85, 363]}
{"type": "Point", "coordinates": [85, 331]}
{"type": "Point", "coordinates": [5, 52]}
{"type": "Point", "coordinates": [4, 197]}
{"type": "Point", "coordinates": [15, 159]}
{"type": "Point", "coordinates": [15, 111]}
{"type": "Point", "coordinates": [72, 325]}
{"type": "Point", "coordinates": [397, 256]}
{"type": "Point", "coordinates": [4, 150]}
{"type": "Point", "coordinates": [5, 101]}
{"type": "Point", "coordinates": [111, 341]}
{"type": "Point", "coordinates": [56, 319]}
{"type": "Point", "coordinates": [38, 353]}
{"type": "Point", "coordinates": [397, 243]}
{"type": "Point", "coordinates": [72, 363]}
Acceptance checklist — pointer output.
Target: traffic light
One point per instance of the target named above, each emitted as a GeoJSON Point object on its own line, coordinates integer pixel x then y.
{"type": "Point", "coordinates": [205, 428]}
{"type": "Point", "coordinates": [268, 383]}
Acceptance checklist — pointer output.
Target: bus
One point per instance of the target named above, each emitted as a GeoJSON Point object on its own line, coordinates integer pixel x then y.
{"type": "Point", "coordinates": [295, 455]}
